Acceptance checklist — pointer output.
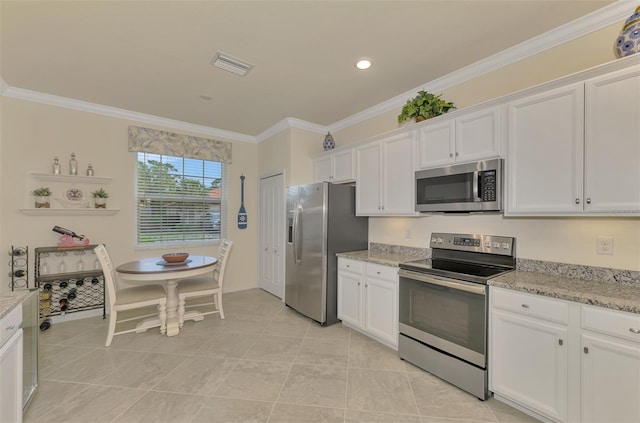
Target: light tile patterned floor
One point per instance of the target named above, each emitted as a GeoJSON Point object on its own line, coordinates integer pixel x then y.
{"type": "Point", "coordinates": [263, 363]}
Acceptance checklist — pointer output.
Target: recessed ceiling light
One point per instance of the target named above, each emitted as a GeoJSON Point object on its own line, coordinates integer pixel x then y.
{"type": "Point", "coordinates": [363, 63]}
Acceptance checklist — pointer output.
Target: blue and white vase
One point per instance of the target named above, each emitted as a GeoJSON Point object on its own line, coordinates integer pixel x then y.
{"type": "Point", "coordinates": [628, 41]}
{"type": "Point", "coordinates": [329, 143]}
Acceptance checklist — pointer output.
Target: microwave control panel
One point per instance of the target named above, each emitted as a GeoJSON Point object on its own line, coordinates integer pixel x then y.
{"type": "Point", "coordinates": [488, 189]}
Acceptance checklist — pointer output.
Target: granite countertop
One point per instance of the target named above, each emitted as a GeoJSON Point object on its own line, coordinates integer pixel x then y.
{"type": "Point", "coordinates": [9, 300]}
{"type": "Point", "coordinates": [602, 294]}
{"type": "Point", "coordinates": [387, 255]}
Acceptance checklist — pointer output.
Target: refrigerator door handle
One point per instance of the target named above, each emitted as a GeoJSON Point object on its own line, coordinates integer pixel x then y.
{"type": "Point", "coordinates": [296, 241]}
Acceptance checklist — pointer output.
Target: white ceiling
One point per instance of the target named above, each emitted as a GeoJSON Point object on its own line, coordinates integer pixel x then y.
{"type": "Point", "coordinates": [153, 57]}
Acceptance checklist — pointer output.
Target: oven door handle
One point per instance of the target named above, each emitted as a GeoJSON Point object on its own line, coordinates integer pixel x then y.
{"type": "Point", "coordinates": [461, 286]}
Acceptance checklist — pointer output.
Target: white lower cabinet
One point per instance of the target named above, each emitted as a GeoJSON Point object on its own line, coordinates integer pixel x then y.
{"type": "Point", "coordinates": [562, 360]}
{"type": "Point", "coordinates": [11, 358]}
{"type": "Point", "coordinates": [368, 299]}
{"type": "Point", "coordinates": [528, 354]}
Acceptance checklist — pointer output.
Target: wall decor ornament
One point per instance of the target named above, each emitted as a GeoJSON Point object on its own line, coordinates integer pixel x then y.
{"type": "Point", "coordinates": [628, 42]}
{"type": "Point", "coordinates": [73, 165]}
{"type": "Point", "coordinates": [329, 143]}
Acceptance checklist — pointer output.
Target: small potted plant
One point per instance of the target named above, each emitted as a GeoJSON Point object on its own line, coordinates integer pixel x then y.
{"type": "Point", "coordinates": [43, 195]}
{"type": "Point", "coordinates": [100, 198]}
{"type": "Point", "coordinates": [424, 106]}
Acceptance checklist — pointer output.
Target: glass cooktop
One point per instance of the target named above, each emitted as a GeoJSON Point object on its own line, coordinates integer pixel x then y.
{"type": "Point", "coordinates": [472, 272]}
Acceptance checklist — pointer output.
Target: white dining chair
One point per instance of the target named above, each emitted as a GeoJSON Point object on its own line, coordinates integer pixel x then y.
{"type": "Point", "coordinates": [120, 299]}
{"type": "Point", "coordinates": [204, 286]}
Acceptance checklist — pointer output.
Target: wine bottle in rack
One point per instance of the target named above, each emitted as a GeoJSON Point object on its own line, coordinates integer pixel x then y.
{"type": "Point", "coordinates": [47, 287]}
{"type": "Point", "coordinates": [72, 294]}
{"type": "Point", "coordinates": [46, 324]}
{"type": "Point", "coordinates": [79, 282]}
{"type": "Point", "coordinates": [63, 284]}
{"type": "Point", "coordinates": [64, 305]}
{"type": "Point", "coordinates": [19, 273]}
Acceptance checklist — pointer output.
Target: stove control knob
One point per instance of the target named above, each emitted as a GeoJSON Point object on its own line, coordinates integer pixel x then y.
{"type": "Point", "coordinates": [487, 244]}
{"type": "Point", "coordinates": [496, 245]}
{"type": "Point", "coordinates": [433, 240]}
{"type": "Point", "coordinates": [439, 240]}
{"type": "Point", "coordinates": [505, 245]}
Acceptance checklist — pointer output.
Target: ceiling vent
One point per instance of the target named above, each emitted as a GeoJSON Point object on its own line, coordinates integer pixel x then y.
{"type": "Point", "coordinates": [231, 64]}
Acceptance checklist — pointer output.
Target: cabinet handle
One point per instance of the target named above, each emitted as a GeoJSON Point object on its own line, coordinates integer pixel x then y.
{"type": "Point", "coordinates": [366, 285]}
{"type": "Point", "coordinates": [378, 273]}
{"type": "Point", "coordinates": [525, 305]}
{"type": "Point", "coordinates": [348, 265]}
{"type": "Point", "coordinates": [382, 207]}
{"type": "Point", "coordinates": [560, 342]}
{"type": "Point", "coordinates": [586, 350]}
{"type": "Point", "coordinates": [577, 201]}
{"type": "Point", "coordinates": [450, 155]}
{"type": "Point", "coordinates": [588, 200]}
{"type": "Point", "coordinates": [457, 154]}
{"type": "Point", "coordinates": [12, 327]}
{"type": "Point", "coordinates": [634, 330]}
{"type": "Point", "coordinates": [358, 283]}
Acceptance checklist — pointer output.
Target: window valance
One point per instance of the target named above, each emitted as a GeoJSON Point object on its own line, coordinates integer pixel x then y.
{"type": "Point", "coordinates": [170, 144]}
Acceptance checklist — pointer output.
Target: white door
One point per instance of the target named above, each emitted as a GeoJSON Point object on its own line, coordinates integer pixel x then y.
{"type": "Point", "coordinates": [398, 179]}
{"type": "Point", "coordinates": [272, 217]}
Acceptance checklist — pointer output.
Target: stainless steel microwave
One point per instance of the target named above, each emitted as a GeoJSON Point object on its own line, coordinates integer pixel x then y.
{"type": "Point", "coordinates": [459, 188]}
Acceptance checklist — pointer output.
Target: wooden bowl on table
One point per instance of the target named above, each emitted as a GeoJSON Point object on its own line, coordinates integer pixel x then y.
{"type": "Point", "coordinates": [175, 257]}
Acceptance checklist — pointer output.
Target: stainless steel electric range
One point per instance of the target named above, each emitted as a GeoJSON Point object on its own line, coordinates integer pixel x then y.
{"type": "Point", "coordinates": [444, 306]}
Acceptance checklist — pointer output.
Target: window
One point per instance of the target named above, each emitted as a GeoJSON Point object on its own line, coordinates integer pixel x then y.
{"type": "Point", "coordinates": [179, 199]}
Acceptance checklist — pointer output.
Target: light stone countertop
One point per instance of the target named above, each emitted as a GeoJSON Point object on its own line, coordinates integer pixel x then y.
{"type": "Point", "coordinates": [602, 294]}
{"type": "Point", "coordinates": [9, 300]}
{"type": "Point", "coordinates": [378, 257]}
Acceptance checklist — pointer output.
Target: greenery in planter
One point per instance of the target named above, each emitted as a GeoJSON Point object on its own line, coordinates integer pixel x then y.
{"type": "Point", "coordinates": [101, 193]}
{"type": "Point", "coordinates": [41, 192]}
{"type": "Point", "coordinates": [425, 105]}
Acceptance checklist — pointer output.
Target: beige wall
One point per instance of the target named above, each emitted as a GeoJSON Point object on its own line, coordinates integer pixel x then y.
{"type": "Point", "coordinates": [32, 134]}
{"type": "Point", "coordinates": [570, 240]}
{"type": "Point", "coordinates": [274, 155]}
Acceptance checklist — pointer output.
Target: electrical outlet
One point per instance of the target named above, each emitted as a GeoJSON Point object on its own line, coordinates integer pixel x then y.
{"type": "Point", "coordinates": [605, 245]}
{"type": "Point", "coordinates": [407, 234]}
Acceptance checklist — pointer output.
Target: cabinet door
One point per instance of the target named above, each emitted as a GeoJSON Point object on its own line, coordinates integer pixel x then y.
{"type": "Point", "coordinates": [545, 147]}
{"type": "Point", "coordinates": [435, 145]}
{"type": "Point", "coordinates": [344, 166]}
{"type": "Point", "coordinates": [398, 177]}
{"type": "Point", "coordinates": [322, 169]}
{"type": "Point", "coordinates": [528, 363]}
{"type": "Point", "coordinates": [612, 143]}
{"type": "Point", "coordinates": [11, 379]}
{"type": "Point", "coordinates": [368, 180]}
{"type": "Point", "coordinates": [349, 298]}
{"type": "Point", "coordinates": [381, 309]}
{"type": "Point", "coordinates": [478, 135]}
{"type": "Point", "coordinates": [610, 389]}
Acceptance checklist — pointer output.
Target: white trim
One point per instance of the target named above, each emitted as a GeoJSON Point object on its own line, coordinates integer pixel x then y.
{"type": "Point", "coordinates": [3, 86]}
{"type": "Point", "coordinates": [288, 123]}
{"type": "Point", "coordinates": [608, 15]}
{"type": "Point", "coordinates": [85, 106]}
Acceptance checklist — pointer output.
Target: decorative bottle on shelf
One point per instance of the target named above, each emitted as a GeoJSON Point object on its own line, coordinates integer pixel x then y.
{"type": "Point", "coordinates": [90, 170]}
{"type": "Point", "coordinates": [56, 166]}
{"type": "Point", "coordinates": [73, 165]}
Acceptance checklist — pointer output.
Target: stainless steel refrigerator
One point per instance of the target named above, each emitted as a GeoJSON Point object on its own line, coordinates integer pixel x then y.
{"type": "Point", "coordinates": [321, 222]}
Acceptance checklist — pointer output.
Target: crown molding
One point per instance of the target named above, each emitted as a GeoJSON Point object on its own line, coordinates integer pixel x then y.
{"type": "Point", "coordinates": [596, 20]}
{"type": "Point", "coordinates": [288, 123]}
{"type": "Point", "coordinates": [85, 106]}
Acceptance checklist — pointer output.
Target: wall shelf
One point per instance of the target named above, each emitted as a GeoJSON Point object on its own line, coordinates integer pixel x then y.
{"type": "Point", "coordinates": [71, 178]}
{"type": "Point", "coordinates": [69, 212]}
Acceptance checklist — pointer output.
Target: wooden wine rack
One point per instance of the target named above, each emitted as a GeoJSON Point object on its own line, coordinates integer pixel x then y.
{"type": "Point", "coordinates": [79, 274]}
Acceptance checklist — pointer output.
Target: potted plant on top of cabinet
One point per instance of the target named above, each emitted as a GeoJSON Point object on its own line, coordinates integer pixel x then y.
{"type": "Point", "coordinates": [424, 106]}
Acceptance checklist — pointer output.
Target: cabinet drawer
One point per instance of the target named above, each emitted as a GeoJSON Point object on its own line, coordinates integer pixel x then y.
{"type": "Point", "coordinates": [382, 272]}
{"type": "Point", "coordinates": [531, 305]}
{"type": "Point", "coordinates": [350, 265]}
{"type": "Point", "coordinates": [611, 322]}
{"type": "Point", "coordinates": [10, 323]}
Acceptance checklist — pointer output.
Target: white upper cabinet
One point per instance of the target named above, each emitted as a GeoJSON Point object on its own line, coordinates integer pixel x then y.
{"type": "Point", "coordinates": [545, 145]}
{"type": "Point", "coordinates": [337, 167]}
{"type": "Point", "coordinates": [468, 137]}
{"type": "Point", "coordinates": [576, 149]}
{"type": "Point", "coordinates": [612, 143]}
{"type": "Point", "coordinates": [385, 180]}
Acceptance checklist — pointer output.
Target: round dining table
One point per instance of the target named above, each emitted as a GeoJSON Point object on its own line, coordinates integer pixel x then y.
{"type": "Point", "coordinates": [158, 270]}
